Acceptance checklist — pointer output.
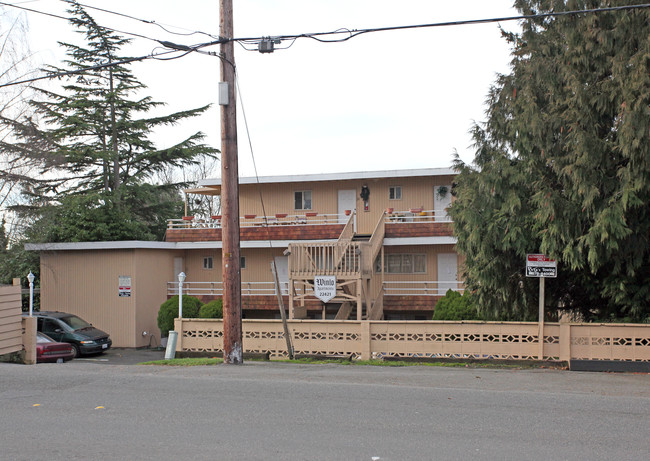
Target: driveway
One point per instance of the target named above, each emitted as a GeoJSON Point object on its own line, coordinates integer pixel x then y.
{"type": "Point", "coordinates": [123, 356]}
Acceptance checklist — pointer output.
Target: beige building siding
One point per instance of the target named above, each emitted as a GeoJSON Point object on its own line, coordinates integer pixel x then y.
{"type": "Point", "coordinates": [431, 251]}
{"type": "Point", "coordinates": [10, 319]}
{"type": "Point", "coordinates": [279, 198]}
{"type": "Point", "coordinates": [85, 283]}
{"type": "Point", "coordinates": [152, 271]}
{"type": "Point", "coordinates": [258, 265]}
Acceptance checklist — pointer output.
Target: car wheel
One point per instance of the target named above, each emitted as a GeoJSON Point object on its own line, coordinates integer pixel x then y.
{"type": "Point", "coordinates": [75, 351]}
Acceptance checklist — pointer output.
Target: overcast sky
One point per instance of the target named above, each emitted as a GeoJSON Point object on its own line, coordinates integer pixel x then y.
{"type": "Point", "coordinates": [380, 101]}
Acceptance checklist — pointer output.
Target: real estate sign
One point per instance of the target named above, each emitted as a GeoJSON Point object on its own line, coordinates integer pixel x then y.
{"type": "Point", "coordinates": [540, 266]}
{"type": "Point", "coordinates": [325, 287]}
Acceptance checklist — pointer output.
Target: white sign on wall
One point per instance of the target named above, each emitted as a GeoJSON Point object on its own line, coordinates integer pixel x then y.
{"type": "Point", "coordinates": [325, 287]}
{"type": "Point", "coordinates": [123, 286]}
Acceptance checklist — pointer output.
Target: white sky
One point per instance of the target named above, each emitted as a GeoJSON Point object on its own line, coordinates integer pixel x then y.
{"type": "Point", "coordinates": [380, 101]}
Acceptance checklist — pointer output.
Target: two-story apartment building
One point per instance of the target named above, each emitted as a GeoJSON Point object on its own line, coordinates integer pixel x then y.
{"type": "Point", "coordinates": [384, 236]}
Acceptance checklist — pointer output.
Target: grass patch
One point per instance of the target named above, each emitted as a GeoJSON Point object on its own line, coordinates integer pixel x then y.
{"type": "Point", "coordinates": [187, 362]}
{"type": "Point", "coordinates": [203, 361]}
{"type": "Point", "coordinates": [393, 363]}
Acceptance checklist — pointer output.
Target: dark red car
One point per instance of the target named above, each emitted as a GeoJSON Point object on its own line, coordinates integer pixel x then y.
{"type": "Point", "coordinates": [48, 350]}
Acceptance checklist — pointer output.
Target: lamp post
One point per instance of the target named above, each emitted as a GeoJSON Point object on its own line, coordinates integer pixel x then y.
{"type": "Point", "coordinates": [181, 279]}
{"type": "Point", "coordinates": [31, 278]}
{"type": "Point", "coordinates": [170, 352]}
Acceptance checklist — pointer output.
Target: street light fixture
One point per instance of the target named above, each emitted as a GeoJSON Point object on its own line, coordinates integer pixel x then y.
{"type": "Point", "coordinates": [31, 278]}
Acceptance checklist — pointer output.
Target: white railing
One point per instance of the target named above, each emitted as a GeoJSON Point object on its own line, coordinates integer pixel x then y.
{"type": "Point", "coordinates": [216, 288]}
{"type": "Point", "coordinates": [391, 288]}
{"type": "Point", "coordinates": [280, 219]}
{"type": "Point", "coordinates": [417, 215]}
{"type": "Point", "coordinates": [422, 288]}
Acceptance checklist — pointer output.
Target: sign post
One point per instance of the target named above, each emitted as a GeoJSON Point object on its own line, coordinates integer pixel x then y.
{"type": "Point", "coordinates": [540, 266]}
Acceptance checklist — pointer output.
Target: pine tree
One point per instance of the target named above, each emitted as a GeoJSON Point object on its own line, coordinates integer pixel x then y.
{"type": "Point", "coordinates": [96, 154]}
{"type": "Point", "coordinates": [571, 122]}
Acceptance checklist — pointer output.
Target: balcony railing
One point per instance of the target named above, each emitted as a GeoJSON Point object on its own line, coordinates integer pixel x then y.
{"type": "Point", "coordinates": [327, 258]}
{"type": "Point", "coordinates": [280, 219]}
{"type": "Point", "coordinates": [416, 215]}
{"type": "Point", "coordinates": [392, 288]}
{"type": "Point", "coordinates": [422, 288]}
{"type": "Point", "coordinates": [309, 218]}
{"type": "Point", "coordinates": [216, 288]}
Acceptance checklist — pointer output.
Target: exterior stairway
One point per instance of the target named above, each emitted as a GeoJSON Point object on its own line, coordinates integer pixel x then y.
{"type": "Point", "coordinates": [351, 259]}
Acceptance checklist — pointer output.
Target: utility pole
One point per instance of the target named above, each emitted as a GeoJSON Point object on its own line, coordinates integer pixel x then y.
{"type": "Point", "coordinates": [231, 259]}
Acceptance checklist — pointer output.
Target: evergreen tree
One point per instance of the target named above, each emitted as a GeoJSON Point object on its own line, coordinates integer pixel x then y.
{"type": "Point", "coordinates": [96, 155]}
{"type": "Point", "coordinates": [563, 166]}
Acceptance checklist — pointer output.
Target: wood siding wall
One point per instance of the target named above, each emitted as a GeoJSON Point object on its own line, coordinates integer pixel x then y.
{"type": "Point", "coordinates": [10, 319]}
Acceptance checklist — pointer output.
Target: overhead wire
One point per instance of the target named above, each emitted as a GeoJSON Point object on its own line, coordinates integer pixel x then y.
{"type": "Point", "coordinates": [89, 68]}
{"type": "Point", "coordinates": [350, 33]}
{"type": "Point", "coordinates": [147, 21]}
{"type": "Point", "coordinates": [45, 13]}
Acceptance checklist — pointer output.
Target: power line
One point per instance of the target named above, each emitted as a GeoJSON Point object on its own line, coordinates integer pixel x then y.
{"type": "Point", "coordinates": [90, 68]}
{"type": "Point", "coordinates": [44, 13]}
{"type": "Point", "coordinates": [351, 33]}
{"type": "Point", "coordinates": [271, 41]}
{"type": "Point", "coordinates": [147, 21]}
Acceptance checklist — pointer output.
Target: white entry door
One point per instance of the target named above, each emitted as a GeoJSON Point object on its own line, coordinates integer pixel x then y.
{"type": "Point", "coordinates": [282, 263]}
{"type": "Point", "coordinates": [347, 201]}
{"type": "Point", "coordinates": [441, 201]}
{"type": "Point", "coordinates": [447, 272]}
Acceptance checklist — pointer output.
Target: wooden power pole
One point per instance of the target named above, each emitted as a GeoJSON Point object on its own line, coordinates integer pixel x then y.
{"type": "Point", "coordinates": [232, 325]}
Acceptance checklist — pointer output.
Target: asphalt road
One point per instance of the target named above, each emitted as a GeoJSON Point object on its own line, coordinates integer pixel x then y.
{"type": "Point", "coordinates": [109, 408]}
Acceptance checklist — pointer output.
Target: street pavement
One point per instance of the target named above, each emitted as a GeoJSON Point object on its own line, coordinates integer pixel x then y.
{"type": "Point", "coordinates": [108, 407]}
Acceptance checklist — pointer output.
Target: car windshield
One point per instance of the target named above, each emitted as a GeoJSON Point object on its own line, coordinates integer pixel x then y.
{"type": "Point", "coordinates": [74, 322]}
{"type": "Point", "coordinates": [41, 338]}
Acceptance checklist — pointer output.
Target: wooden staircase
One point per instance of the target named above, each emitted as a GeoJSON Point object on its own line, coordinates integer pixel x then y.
{"type": "Point", "coordinates": [351, 259]}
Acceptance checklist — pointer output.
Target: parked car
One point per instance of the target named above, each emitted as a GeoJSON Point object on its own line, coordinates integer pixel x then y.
{"type": "Point", "coordinates": [68, 328]}
{"type": "Point", "coordinates": [48, 350]}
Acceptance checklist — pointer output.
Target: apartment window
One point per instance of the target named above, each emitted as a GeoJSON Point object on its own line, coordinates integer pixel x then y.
{"type": "Point", "coordinates": [302, 200]}
{"type": "Point", "coordinates": [208, 262]}
{"type": "Point", "coordinates": [395, 193]}
{"type": "Point", "coordinates": [242, 262]}
{"type": "Point", "coordinates": [405, 264]}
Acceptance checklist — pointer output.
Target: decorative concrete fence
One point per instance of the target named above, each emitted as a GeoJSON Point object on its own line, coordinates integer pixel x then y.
{"type": "Point", "coordinates": [378, 339]}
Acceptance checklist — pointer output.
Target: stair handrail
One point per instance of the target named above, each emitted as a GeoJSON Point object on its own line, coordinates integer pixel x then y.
{"type": "Point", "coordinates": [348, 230]}
{"type": "Point", "coordinates": [375, 243]}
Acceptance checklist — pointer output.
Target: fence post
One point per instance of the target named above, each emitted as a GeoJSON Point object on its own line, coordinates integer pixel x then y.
{"type": "Point", "coordinates": [29, 339]}
{"type": "Point", "coordinates": [366, 353]}
{"type": "Point", "coordinates": [565, 340]}
{"type": "Point", "coordinates": [178, 327]}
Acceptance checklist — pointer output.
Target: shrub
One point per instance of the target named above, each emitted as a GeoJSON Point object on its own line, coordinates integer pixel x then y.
{"type": "Point", "coordinates": [212, 310]}
{"type": "Point", "coordinates": [169, 311]}
{"type": "Point", "coordinates": [453, 306]}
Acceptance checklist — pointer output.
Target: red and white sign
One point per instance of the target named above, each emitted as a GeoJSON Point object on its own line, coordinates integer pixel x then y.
{"type": "Point", "coordinates": [538, 265]}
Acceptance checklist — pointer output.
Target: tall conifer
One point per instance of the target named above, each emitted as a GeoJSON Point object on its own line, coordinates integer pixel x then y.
{"type": "Point", "coordinates": [565, 155]}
